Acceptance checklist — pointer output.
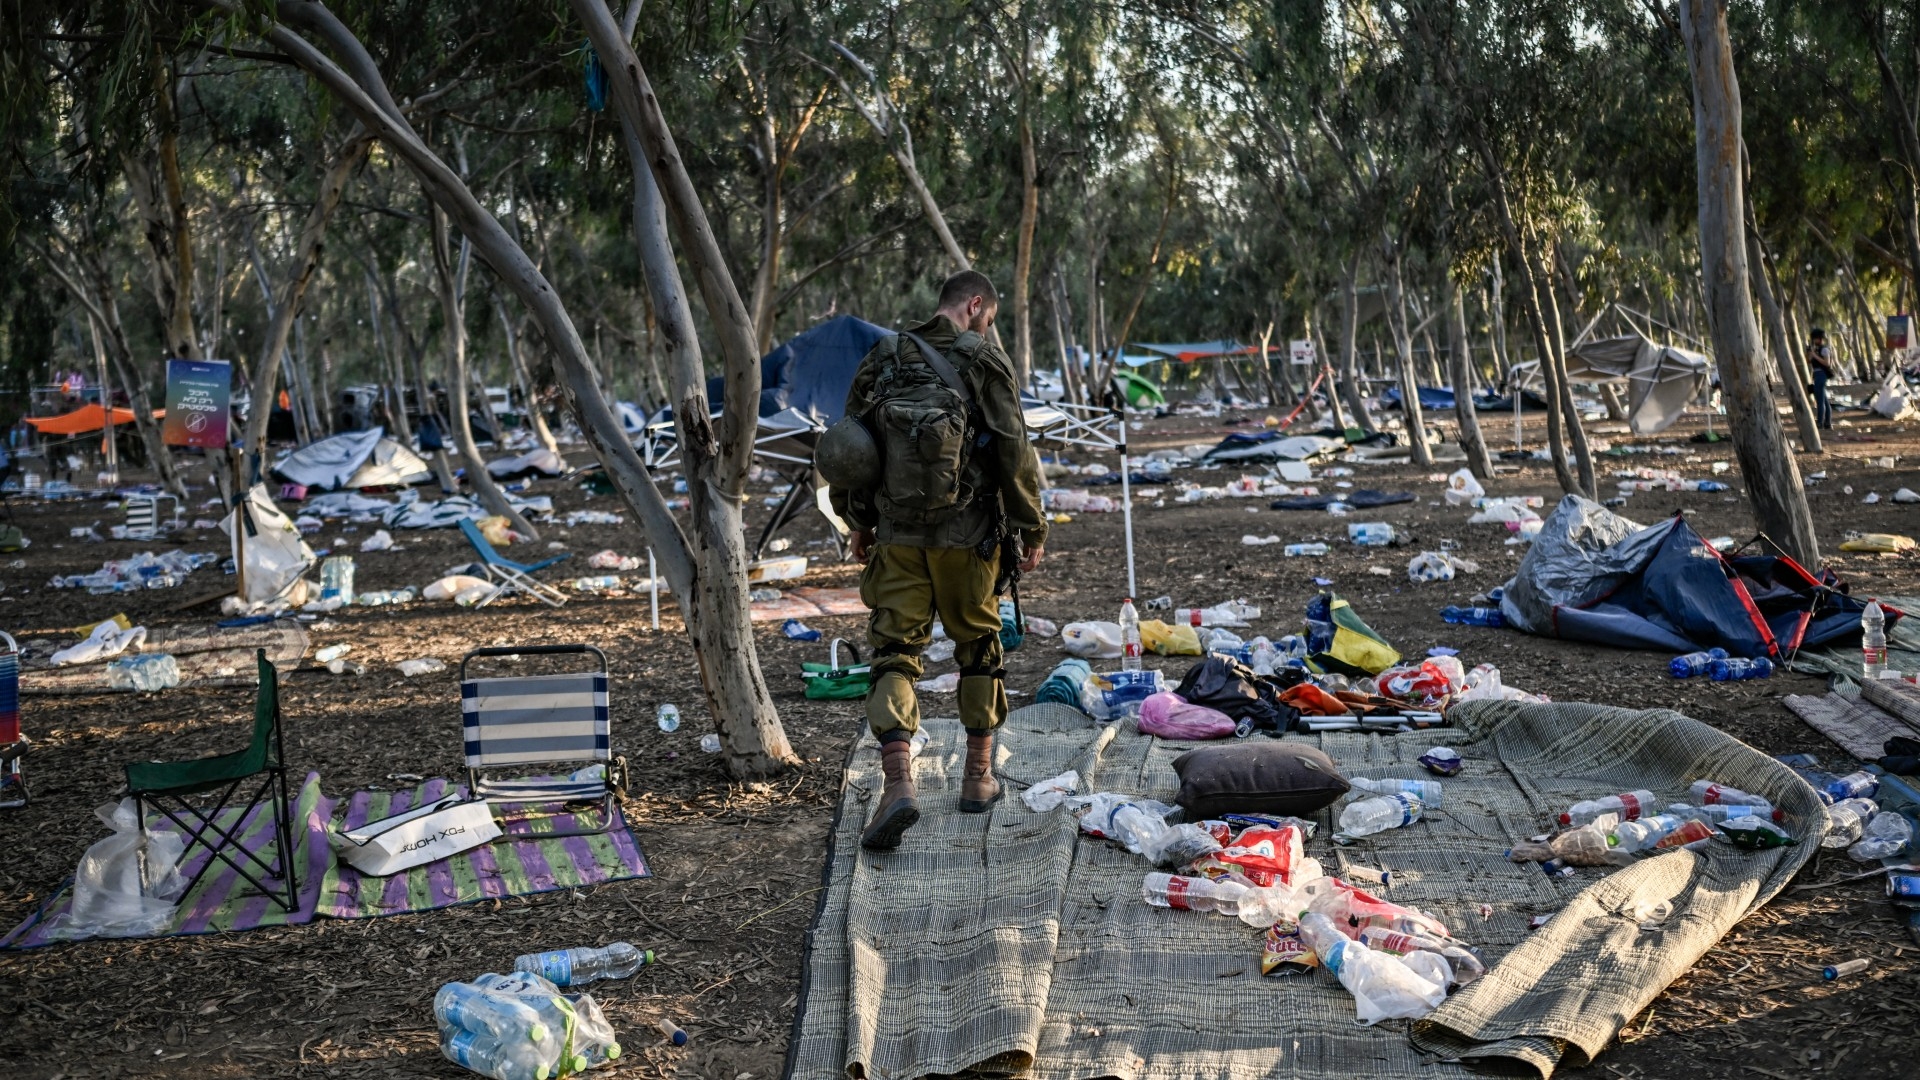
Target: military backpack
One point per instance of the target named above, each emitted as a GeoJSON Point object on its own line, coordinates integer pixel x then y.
{"type": "Point", "coordinates": [927, 427]}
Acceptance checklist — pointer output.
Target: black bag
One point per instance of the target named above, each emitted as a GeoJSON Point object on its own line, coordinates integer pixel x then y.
{"type": "Point", "coordinates": [1225, 684]}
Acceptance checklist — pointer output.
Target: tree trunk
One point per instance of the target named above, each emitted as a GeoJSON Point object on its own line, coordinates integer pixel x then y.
{"type": "Point", "coordinates": [1803, 417]}
{"type": "Point", "coordinates": [1766, 462]}
{"type": "Point", "coordinates": [1023, 256]}
{"type": "Point", "coordinates": [1324, 363]}
{"type": "Point", "coordinates": [1460, 362]}
{"type": "Point", "coordinates": [287, 306]}
{"type": "Point", "coordinates": [1557, 354]}
{"type": "Point", "coordinates": [535, 418]}
{"type": "Point", "coordinates": [1349, 346]}
{"type": "Point", "coordinates": [450, 272]}
{"type": "Point", "coordinates": [1403, 349]}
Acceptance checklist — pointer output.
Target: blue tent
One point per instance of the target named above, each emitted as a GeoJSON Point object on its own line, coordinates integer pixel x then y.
{"type": "Point", "coordinates": [1592, 575]}
{"type": "Point", "coordinates": [1430, 397]}
{"type": "Point", "coordinates": [811, 371]}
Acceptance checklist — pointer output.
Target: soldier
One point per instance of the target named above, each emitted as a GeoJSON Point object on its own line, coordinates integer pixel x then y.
{"type": "Point", "coordinates": [932, 469]}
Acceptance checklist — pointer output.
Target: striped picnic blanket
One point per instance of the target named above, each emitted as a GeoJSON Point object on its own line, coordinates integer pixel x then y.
{"type": "Point", "coordinates": [523, 862]}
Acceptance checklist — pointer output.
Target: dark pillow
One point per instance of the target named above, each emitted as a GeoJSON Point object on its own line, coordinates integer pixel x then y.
{"type": "Point", "coordinates": [1257, 777]}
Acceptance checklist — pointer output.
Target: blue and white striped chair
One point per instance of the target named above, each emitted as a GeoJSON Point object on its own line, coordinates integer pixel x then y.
{"type": "Point", "coordinates": [557, 721]}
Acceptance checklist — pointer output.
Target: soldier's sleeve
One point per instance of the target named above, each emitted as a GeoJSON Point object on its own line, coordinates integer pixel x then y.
{"type": "Point", "coordinates": [856, 507]}
{"type": "Point", "coordinates": [1015, 462]}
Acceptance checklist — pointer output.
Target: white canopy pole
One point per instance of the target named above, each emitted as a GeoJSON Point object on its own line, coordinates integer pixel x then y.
{"type": "Point", "coordinates": [1126, 495]}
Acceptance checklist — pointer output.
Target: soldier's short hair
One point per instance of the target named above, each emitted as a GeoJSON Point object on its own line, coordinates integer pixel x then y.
{"type": "Point", "coordinates": [964, 286]}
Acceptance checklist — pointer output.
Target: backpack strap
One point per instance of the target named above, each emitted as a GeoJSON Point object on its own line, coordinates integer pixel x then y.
{"type": "Point", "coordinates": [942, 367]}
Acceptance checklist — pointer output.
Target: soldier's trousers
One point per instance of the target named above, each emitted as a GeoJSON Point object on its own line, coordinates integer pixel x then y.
{"type": "Point", "coordinates": [906, 587]}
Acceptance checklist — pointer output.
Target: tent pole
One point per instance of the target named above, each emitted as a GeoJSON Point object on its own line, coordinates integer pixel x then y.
{"type": "Point", "coordinates": [653, 589]}
{"type": "Point", "coordinates": [1126, 496]}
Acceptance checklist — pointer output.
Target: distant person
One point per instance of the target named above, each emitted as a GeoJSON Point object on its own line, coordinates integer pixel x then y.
{"type": "Point", "coordinates": [933, 470]}
{"type": "Point", "coordinates": [1820, 359]}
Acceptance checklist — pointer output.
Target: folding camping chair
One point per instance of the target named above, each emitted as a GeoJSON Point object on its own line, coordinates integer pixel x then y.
{"type": "Point", "coordinates": [13, 744]}
{"type": "Point", "coordinates": [512, 576]}
{"type": "Point", "coordinates": [143, 515]}
{"type": "Point", "coordinates": [166, 786]}
{"type": "Point", "coordinates": [552, 720]}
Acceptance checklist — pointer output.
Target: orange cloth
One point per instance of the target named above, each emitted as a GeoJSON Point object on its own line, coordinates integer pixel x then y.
{"type": "Point", "coordinates": [1313, 701]}
{"type": "Point", "coordinates": [81, 420]}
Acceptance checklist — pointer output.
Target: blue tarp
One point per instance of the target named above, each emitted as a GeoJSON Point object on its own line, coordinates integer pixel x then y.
{"type": "Point", "coordinates": [1592, 575]}
{"type": "Point", "coordinates": [1430, 397]}
{"type": "Point", "coordinates": [812, 371]}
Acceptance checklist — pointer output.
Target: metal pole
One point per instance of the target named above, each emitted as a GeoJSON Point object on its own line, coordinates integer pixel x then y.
{"type": "Point", "coordinates": [106, 405]}
{"type": "Point", "coordinates": [1126, 494]}
{"type": "Point", "coordinates": [653, 589]}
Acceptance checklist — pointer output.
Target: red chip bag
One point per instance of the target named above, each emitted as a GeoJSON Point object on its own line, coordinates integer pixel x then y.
{"type": "Point", "coordinates": [1260, 854]}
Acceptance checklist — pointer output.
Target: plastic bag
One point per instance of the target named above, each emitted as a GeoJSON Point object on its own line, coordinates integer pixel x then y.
{"type": "Point", "coordinates": [452, 585]}
{"type": "Point", "coordinates": [107, 639]}
{"type": "Point", "coordinates": [1463, 488]}
{"type": "Point", "coordinates": [1434, 682]}
{"type": "Point", "coordinates": [1047, 794]}
{"type": "Point", "coordinates": [1140, 826]}
{"type": "Point", "coordinates": [1092, 640]}
{"type": "Point", "coordinates": [108, 897]}
{"type": "Point", "coordinates": [1171, 717]}
{"type": "Point", "coordinates": [1265, 857]}
{"type": "Point", "coordinates": [1382, 985]}
{"type": "Point", "coordinates": [1166, 639]}
{"type": "Point", "coordinates": [497, 529]}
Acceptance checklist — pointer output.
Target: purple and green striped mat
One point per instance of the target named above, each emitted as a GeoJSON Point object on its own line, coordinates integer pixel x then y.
{"type": "Point", "coordinates": [522, 862]}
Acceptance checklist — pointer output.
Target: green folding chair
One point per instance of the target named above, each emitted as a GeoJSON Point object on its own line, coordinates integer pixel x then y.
{"type": "Point", "coordinates": [169, 786]}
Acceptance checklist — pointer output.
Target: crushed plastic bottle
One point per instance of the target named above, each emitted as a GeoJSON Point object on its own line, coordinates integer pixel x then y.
{"type": "Point", "coordinates": [1380, 813]}
{"type": "Point", "coordinates": [1383, 986]}
{"type": "Point", "coordinates": [1193, 893]}
{"type": "Point", "coordinates": [668, 717]}
{"type": "Point", "coordinates": [1847, 822]}
{"type": "Point", "coordinates": [1887, 835]}
{"type": "Point", "coordinates": [1628, 806]}
{"type": "Point", "coordinates": [710, 743]}
{"type": "Point", "coordinates": [1427, 791]}
{"type": "Point", "coordinates": [580, 966]}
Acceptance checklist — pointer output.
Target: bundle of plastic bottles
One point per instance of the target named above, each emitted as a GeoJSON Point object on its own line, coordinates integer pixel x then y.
{"type": "Point", "coordinates": [143, 571]}
{"type": "Point", "coordinates": [521, 1027]}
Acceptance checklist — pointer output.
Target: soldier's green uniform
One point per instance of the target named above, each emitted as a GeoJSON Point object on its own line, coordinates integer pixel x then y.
{"type": "Point", "coordinates": [916, 572]}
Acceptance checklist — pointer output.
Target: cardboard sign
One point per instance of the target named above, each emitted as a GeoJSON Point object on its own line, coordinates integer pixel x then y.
{"type": "Point", "coordinates": [1303, 353]}
{"type": "Point", "coordinates": [1899, 329]}
{"type": "Point", "coordinates": [199, 395]}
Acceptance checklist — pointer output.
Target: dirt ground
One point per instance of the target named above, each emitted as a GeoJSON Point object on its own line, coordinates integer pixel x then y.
{"type": "Point", "coordinates": [737, 867]}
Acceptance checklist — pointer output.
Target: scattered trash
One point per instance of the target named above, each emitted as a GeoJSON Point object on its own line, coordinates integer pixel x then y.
{"type": "Point", "coordinates": [1463, 488]}
{"type": "Point", "coordinates": [1442, 761]}
{"type": "Point", "coordinates": [1310, 549]}
{"type": "Point", "coordinates": [1696, 663]}
{"type": "Point", "coordinates": [941, 684]}
{"type": "Point", "coordinates": [1473, 616]}
{"type": "Point", "coordinates": [110, 638]}
{"type": "Point", "coordinates": [1737, 669]}
{"type": "Point", "coordinates": [1372, 534]}
{"type": "Point", "coordinates": [385, 597]}
{"type": "Point", "coordinates": [331, 653]}
{"type": "Point", "coordinates": [1438, 566]}
{"type": "Point", "coordinates": [1906, 495]}
{"type": "Point", "coordinates": [1048, 794]}
{"type": "Point", "coordinates": [143, 571]}
{"type": "Point", "coordinates": [381, 540]}
{"type": "Point", "coordinates": [795, 630]}
{"type": "Point", "coordinates": [1041, 627]}
{"type": "Point", "coordinates": [425, 665]}
{"type": "Point", "coordinates": [1626, 807]}
{"type": "Point", "coordinates": [671, 1032]}
{"type": "Point", "coordinates": [453, 585]}
{"type": "Point", "coordinates": [126, 884]}
{"type": "Point", "coordinates": [611, 560]}
{"type": "Point", "coordinates": [598, 583]}
{"type": "Point", "coordinates": [1093, 640]}
{"type": "Point", "coordinates": [939, 651]}
{"type": "Point", "coordinates": [1368, 816]}
{"type": "Point", "coordinates": [1251, 540]}
{"type": "Point", "coordinates": [668, 717]}
{"type": "Point", "coordinates": [711, 742]}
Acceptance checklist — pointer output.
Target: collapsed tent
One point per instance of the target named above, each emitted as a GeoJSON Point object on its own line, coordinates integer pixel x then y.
{"type": "Point", "coordinates": [1141, 393]}
{"type": "Point", "coordinates": [1490, 402]}
{"type": "Point", "coordinates": [538, 460]}
{"type": "Point", "coordinates": [1661, 379]}
{"type": "Point", "coordinates": [1273, 446]}
{"type": "Point", "coordinates": [1592, 575]}
{"type": "Point", "coordinates": [1431, 397]}
{"type": "Point", "coordinates": [1894, 399]}
{"type": "Point", "coordinates": [354, 459]}
{"type": "Point", "coordinates": [811, 371]}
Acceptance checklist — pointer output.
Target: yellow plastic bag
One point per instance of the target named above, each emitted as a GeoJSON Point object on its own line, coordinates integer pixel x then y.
{"type": "Point", "coordinates": [1882, 543]}
{"type": "Point", "coordinates": [1166, 639]}
{"type": "Point", "coordinates": [497, 530]}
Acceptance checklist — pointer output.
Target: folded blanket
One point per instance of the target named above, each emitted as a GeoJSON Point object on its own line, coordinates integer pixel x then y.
{"type": "Point", "coordinates": [1063, 685]}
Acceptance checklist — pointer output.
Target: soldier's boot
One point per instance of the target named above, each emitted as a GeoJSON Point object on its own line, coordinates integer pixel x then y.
{"type": "Point", "coordinates": [899, 809]}
{"type": "Point", "coordinates": [978, 789]}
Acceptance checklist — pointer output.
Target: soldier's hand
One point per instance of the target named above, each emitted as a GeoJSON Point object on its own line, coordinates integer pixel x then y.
{"type": "Point", "coordinates": [862, 544]}
{"type": "Point", "coordinates": [1032, 560]}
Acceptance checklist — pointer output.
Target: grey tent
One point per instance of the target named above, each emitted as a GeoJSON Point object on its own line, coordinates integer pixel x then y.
{"type": "Point", "coordinates": [1661, 379]}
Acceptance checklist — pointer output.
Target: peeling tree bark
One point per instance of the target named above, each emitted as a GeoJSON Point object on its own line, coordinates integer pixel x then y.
{"type": "Point", "coordinates": [1767, 464]}
{"type": "Point", "coordinates": [1460, 363]}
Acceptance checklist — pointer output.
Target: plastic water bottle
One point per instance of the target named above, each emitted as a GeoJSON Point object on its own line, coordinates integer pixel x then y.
{"type": "Point", "coordinates": [1129, 636]}
{"type": "Point", "coordinates": [1193, 893]}
{"type": "Point", "coordinates": [1737, 669]}
{"type": "Point", "coordinates": [1857, 785]}
{"type": "Point", "coordinates": [671, 1031]}
{"type": "Point", "coordinates": [1293, 550]}
{"type": "Point", "coordinates": [1371, 533]}
{"type": "Point", "coordinates": [669, 717]}
{"type": "Point", "coordinates": [147, 672]}
{"type": "Point", "coordinates": [336, 579]}
{"type": "Point", "coordinates": [710, 743]}
{"type": "Point", "coordinates": [1708, 793]}
{"type": "Point", "coordinates": [1847, 821]}
{"type": "Point", "coordinates": [1427, 791]}
{"type": "Point", "coordinates": [1841, 971]}
{"type": "Point", "coordinates": [1642, 835]}
{"type": "Point", "coordinates": [1714, 815]}
{"type": "Point", "coordinates": [600, 583]}
{"type": "Point", "coordinates": [1695, 663]}
{"type": "Point", "coordinates": [1873, 640]}
{"type": "Point", "coordinates": [577, 967]}
{"type": "Point", "coordinates": [502, 1061]}
{"type": "Point", "coordinates": [1473, 616]}
{"type": "Point", "coordinates": [1380, 813]}
{"type": "Point", "coordinates": [1629, 806]}
{"type": "Point", "coordinates": [502, 1019]}
{"type": "Point", "coordinates": [1887, 835]}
